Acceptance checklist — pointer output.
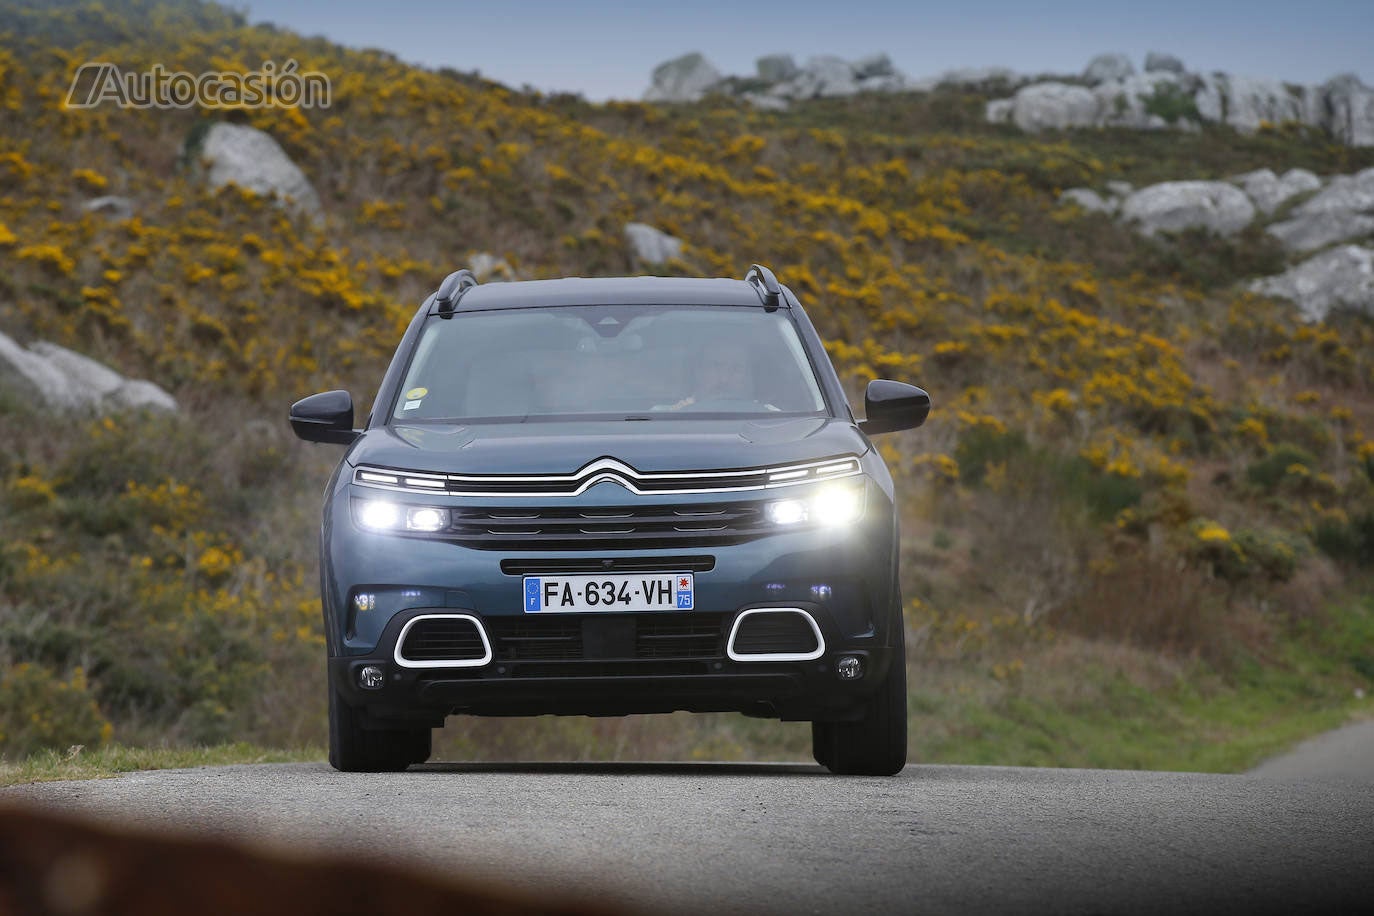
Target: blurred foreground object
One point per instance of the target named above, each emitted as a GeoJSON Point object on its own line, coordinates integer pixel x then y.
{"type": "Point", "coordinates": [60, 865]}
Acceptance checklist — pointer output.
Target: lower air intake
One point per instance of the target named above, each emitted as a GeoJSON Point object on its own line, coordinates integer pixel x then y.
{"type": "Point", "coordinates": [443, 641]}
{"type": "Point", "coordinates": [775, 635]}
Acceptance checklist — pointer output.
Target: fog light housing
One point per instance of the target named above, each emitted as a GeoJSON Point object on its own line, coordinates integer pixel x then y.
{"type": "Point", "coordinates": [849, 667]}
{"type": "Point", "coordinates": [371, 677]}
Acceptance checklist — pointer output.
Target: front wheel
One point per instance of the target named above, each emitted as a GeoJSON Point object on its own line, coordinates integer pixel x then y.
{"type": "Point", "coordinates": [876, 744]}
{"type": "Point", "coordinates": [354, 749]}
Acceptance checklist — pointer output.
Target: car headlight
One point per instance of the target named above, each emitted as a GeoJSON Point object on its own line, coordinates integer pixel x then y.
{"type": "Point", "coordinates": [381, 515]}
{"type": "Point", "coordinates": [835, 504]}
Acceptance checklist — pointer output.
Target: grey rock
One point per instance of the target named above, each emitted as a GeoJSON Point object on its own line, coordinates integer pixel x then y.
{"type": "Point", "coordinates": [120, 208]}
{"type": "Point", "coordinates": [1122, 103]}
{"type": "Point", "coordinates": [650, 245]}
{"type": "Point", "coordinates": [1317, 230]}
{"type": "Point", "coordinates": [1173, 206]}
{"type": "Point", "coordinates": [31, 376]}
{"type": "Point", "coordinates": [66, 380]}
{"type": "Point", "coordinates": [1119, 188]}
{"type": "Point", "coordinates": [1344, 192]}
{"type": "Point", "coordinates": [822, 77]}
{"type": "Point", "coordinates": [1245, 102]}
{"type": "Point", "coordinates": [1089, 200]}
{"type": "Point", "coordinates": [1342, 278]}
{"type": "Point", "coordinates": [999, 111]}
{"type": "Point", "coordinates": [682, 79]}
{"type": "Point", "coordinates": [1351, 106]}
{"type": "Point", "coordinates": [776, 68]}
{"type": "Point", "coordinates": [251, 159]}
{"type": "Point", "coordinates": [873, 65]}
{"type": "Point", "coordinates": [1269, 191]}
{"type": "Point", "coordinates": [1105, 67]}
{"type": "Point", "coordinates": [1159, 62]}
{"type": "Point", "coordinates": [138, 394]}
{"type": "Point", "coordinates": [1054, 105]}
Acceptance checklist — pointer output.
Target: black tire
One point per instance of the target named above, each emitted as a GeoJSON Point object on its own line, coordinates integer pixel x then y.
{"type": "Point", "coordinates": [876, 744]}
{"type": "Point", "coordinates": [354, 749]}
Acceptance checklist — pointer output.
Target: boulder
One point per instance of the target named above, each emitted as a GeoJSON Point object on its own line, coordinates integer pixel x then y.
{"type": "Point", "coordinates": [1173, 206]}
{"type": "Point", "coordinates": [765, 102]}
{"type": "Point", "coordinates": [251, 159]}
{"type": "Point", "coordinates": [1053, 105]}
{"type": "Point", "coordinates": [1317, 230]}
{"type": "Point", "coordinates": [1118, 188]}
{"type": "Point", "coordinates": [65, 380]}
{"type": "Point", "coordinates": [892, 83]}
{"type": "Point", "coordinates": [682, 79]}
{"type": "Point", "coordinates": [1088, 200]}
{"type": "Point", "coordinates": [776, 68]}
{"type": "Point", "coordinates": [118, 208]}
{"type": "Point", "coordinates": [650, 245]}
{"type": "Point", "coordinates": [1342, 278]}
{"type": "Point", "coordinates": [1106, 67]}
{"type": "Point", "coordinates": [1245, 102]}
{"type": "Point", "coordinates": [1124, 102]}
{"type": "Point", "coordinates": [1343, 210]}
{"type": "Point", "coordinates": [999, 111]}
{"type": "Point", "coordinates": [822, 77]}
{"type": "Point", "coordinates": [873, 65]}
{"type": "Point", "coordinates": [1159, 62]}
{"type": "Point", "coordinates": [1269, 191]}
{"type": "Point", "coordinates": [1350, 104]}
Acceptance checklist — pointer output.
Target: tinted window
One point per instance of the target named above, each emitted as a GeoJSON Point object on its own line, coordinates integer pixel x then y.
{"type": "Point", "coordinates": [609, 360]}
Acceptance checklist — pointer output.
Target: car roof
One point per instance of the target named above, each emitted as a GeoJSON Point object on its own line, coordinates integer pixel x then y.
{"type": "Point", "coordinates": [611, 291]}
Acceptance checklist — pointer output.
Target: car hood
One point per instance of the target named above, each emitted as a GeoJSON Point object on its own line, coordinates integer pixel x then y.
{"type": "Point", "coordinates": [563, 448]}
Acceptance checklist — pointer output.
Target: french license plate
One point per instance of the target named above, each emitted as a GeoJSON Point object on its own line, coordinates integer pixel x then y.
{"type": "Point", "coordinates": [618, 592]}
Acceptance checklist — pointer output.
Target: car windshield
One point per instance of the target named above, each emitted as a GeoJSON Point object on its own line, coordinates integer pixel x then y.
{"type": "Point", "coordinates": [641, 361]}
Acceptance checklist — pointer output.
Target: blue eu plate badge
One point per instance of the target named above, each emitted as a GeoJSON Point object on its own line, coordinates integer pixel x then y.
{"type": "Point", "coordinates": [532, 594]}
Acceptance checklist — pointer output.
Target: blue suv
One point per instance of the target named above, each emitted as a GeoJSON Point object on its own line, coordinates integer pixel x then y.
{"type": "Point", "coordinates": [609, 497]}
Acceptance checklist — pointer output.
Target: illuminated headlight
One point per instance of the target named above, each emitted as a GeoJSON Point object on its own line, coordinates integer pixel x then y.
{"type": "Point", "coordinates": [837, 504]}
{"type": "Point", "coordinates": [834, 504]}
{"type": "Point", "coordinates": [426, 519]}
{"type": "Point", "coordinates": [380, 515]}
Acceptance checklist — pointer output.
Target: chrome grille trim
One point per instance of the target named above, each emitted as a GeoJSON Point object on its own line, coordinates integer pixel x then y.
{"type": "Point", "coordinates": [444, 663]}
{"type": "Point", "coordinates": [607, 469]}
{"type": "Point", "coordinates": [774, 656]}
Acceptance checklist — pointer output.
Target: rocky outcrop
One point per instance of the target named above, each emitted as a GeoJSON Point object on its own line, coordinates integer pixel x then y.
{"type": "Point", "coordinates": [1269, 191]}
{"type": "Point", "coordinates": [1342, 278]}
{"type": "Point", "coordinates": [650, 245]}
{"type": "Point", "coordinates": [776, 68]}
{"type": "Point", "coordinates": [1052, 105]}
{"type": "Point", "coordinates": [65, 380]}
{"type": "Point", "coordinates": [1174, 206]}
{"type": "Point", "coordinates": [249, 158]}
{"type": "Point", "coordinates": [1167, 95]}
{"type": "Point", "coordinates": [822, 77]}
{"type": "Point", "coordinates": [1107, 67]}
{"type": "Point", "coordinates": [1089, 200]}
{"type": "Point", "coordinates": [118, 208]}
{"type": "Point", "coordinates": [683, 79]}
{"type": "Point", "coordinates": [1342, 211]}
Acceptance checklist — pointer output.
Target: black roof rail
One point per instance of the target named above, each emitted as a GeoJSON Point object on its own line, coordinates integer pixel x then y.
{"type": "Point", "coordinates": [762, 279]}
{"type": "Point", "coordinates": [451, 290]}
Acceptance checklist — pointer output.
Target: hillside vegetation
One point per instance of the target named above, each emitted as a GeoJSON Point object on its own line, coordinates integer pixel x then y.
{"type": "Point", "coordinates": [1142, 504]}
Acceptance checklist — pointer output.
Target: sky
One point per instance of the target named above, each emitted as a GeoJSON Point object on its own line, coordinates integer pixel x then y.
{"type": "Point", "coordinates": [605, 49]}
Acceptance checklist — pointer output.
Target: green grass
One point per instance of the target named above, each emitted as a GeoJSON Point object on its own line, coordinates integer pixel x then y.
{"type": "Point", "coordinates": [53, 766]}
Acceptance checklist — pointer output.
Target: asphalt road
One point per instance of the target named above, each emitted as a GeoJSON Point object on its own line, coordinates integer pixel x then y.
{"type": "Point", "coordinates": [793, 839]}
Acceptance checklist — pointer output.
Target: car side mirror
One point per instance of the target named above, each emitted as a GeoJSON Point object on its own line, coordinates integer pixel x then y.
{"type": "Point", "coordinates": [890, 406]}
{"type": "Point", "coordinates": [325, 417]}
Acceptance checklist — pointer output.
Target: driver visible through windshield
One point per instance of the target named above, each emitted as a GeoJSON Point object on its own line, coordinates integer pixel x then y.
{"type": "Point", "coordinates": [616, 360]}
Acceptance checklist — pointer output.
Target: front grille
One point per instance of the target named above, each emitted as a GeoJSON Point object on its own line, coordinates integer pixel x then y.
{"type": "Point", "coordinates": [560, 637]}
{"type": "Point", "coordinates": [442, 639]}
{"type": "Point", "coordinates": [569, 565]}
{"type": "Point", "coordinates": [775, 633]}
{"type": "Point", "coordinates": [607, 468]}
{"type": "Point", "coordinates": [582, 527]}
